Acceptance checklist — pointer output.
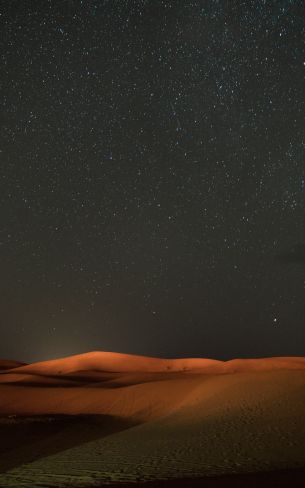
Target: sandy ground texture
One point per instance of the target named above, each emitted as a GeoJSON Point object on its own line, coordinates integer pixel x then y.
{"type": "Point", "coordinates": [101, 418]}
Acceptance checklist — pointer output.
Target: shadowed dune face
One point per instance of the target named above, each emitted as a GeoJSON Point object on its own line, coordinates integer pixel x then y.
{"type": "Point", "coordinates": [6, 364]}
{"type": "Point", "coordinates": [179, 418]}
{"type": "Point", "coordinates": [30, 438]}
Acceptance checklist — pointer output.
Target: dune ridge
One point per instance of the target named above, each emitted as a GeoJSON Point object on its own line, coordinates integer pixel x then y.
{"type": "Point", "coordinates": [128, 363]}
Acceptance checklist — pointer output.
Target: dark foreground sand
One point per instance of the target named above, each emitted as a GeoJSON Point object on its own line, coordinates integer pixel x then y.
{"type": "Point", "coordinates": [103, 418]}
{"type": "Point", "coordinates": [294, 478]}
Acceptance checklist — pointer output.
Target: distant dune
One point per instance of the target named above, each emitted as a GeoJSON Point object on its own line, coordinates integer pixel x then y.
{"type": "Point", "coordinates": [9, 364]}
{"type": "Point", "coordinates": [106, 417]}
{"type": "Point", "coordinates": [127, 363]}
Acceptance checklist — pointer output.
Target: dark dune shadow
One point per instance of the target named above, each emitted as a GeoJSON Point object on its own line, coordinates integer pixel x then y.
{"type": "Point", "coordinates": [95, 379]}
{"type": "Point", "coordinates": [63, 380]}
{"type": "Point", "coordinates": [43, 384]}
{"type": "Point", "coordinates": [288, 478]}
{"type": "Point", "coordinates": [26, 439]}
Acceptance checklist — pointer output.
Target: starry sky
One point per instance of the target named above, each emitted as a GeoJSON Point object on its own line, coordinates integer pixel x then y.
{"type": "Point", "coordinates": [152, 177]}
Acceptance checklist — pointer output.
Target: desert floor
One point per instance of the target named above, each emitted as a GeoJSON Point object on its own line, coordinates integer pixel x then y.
{"type": "Point", "coordinates": [103, 418]}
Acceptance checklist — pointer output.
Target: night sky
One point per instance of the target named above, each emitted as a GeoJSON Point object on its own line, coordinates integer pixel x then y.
{"type": "Point", "coordinates": [152, 177]}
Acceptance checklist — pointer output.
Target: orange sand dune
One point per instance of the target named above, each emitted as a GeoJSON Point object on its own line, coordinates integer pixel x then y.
{"type": "Point", "coordinates": [127, 363]}
{"type": "Point", "coordinates": [115, 362]}
{"type": "Point", "coordinates": [123, 385]}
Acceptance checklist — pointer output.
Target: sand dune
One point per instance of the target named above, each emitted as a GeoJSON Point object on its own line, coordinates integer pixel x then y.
{"type": "Point", "coordinates": [6, 364]}
{"type": "Point", "coordinates": [127, 363]}
{"type": "Point", "coordinates": [115, 362]}
{"type": "Point", "coordinates": [160, 418]}
{"type": "Point", "coordinates": [122, 385]}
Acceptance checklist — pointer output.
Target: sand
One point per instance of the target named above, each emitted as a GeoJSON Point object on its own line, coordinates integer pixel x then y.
{"type": "Point", "coordinates": [6, 364]}
{"type": "Point", "coordinates": [103, 418]}
{"type": "Point", "coordinates": [127, 363]}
